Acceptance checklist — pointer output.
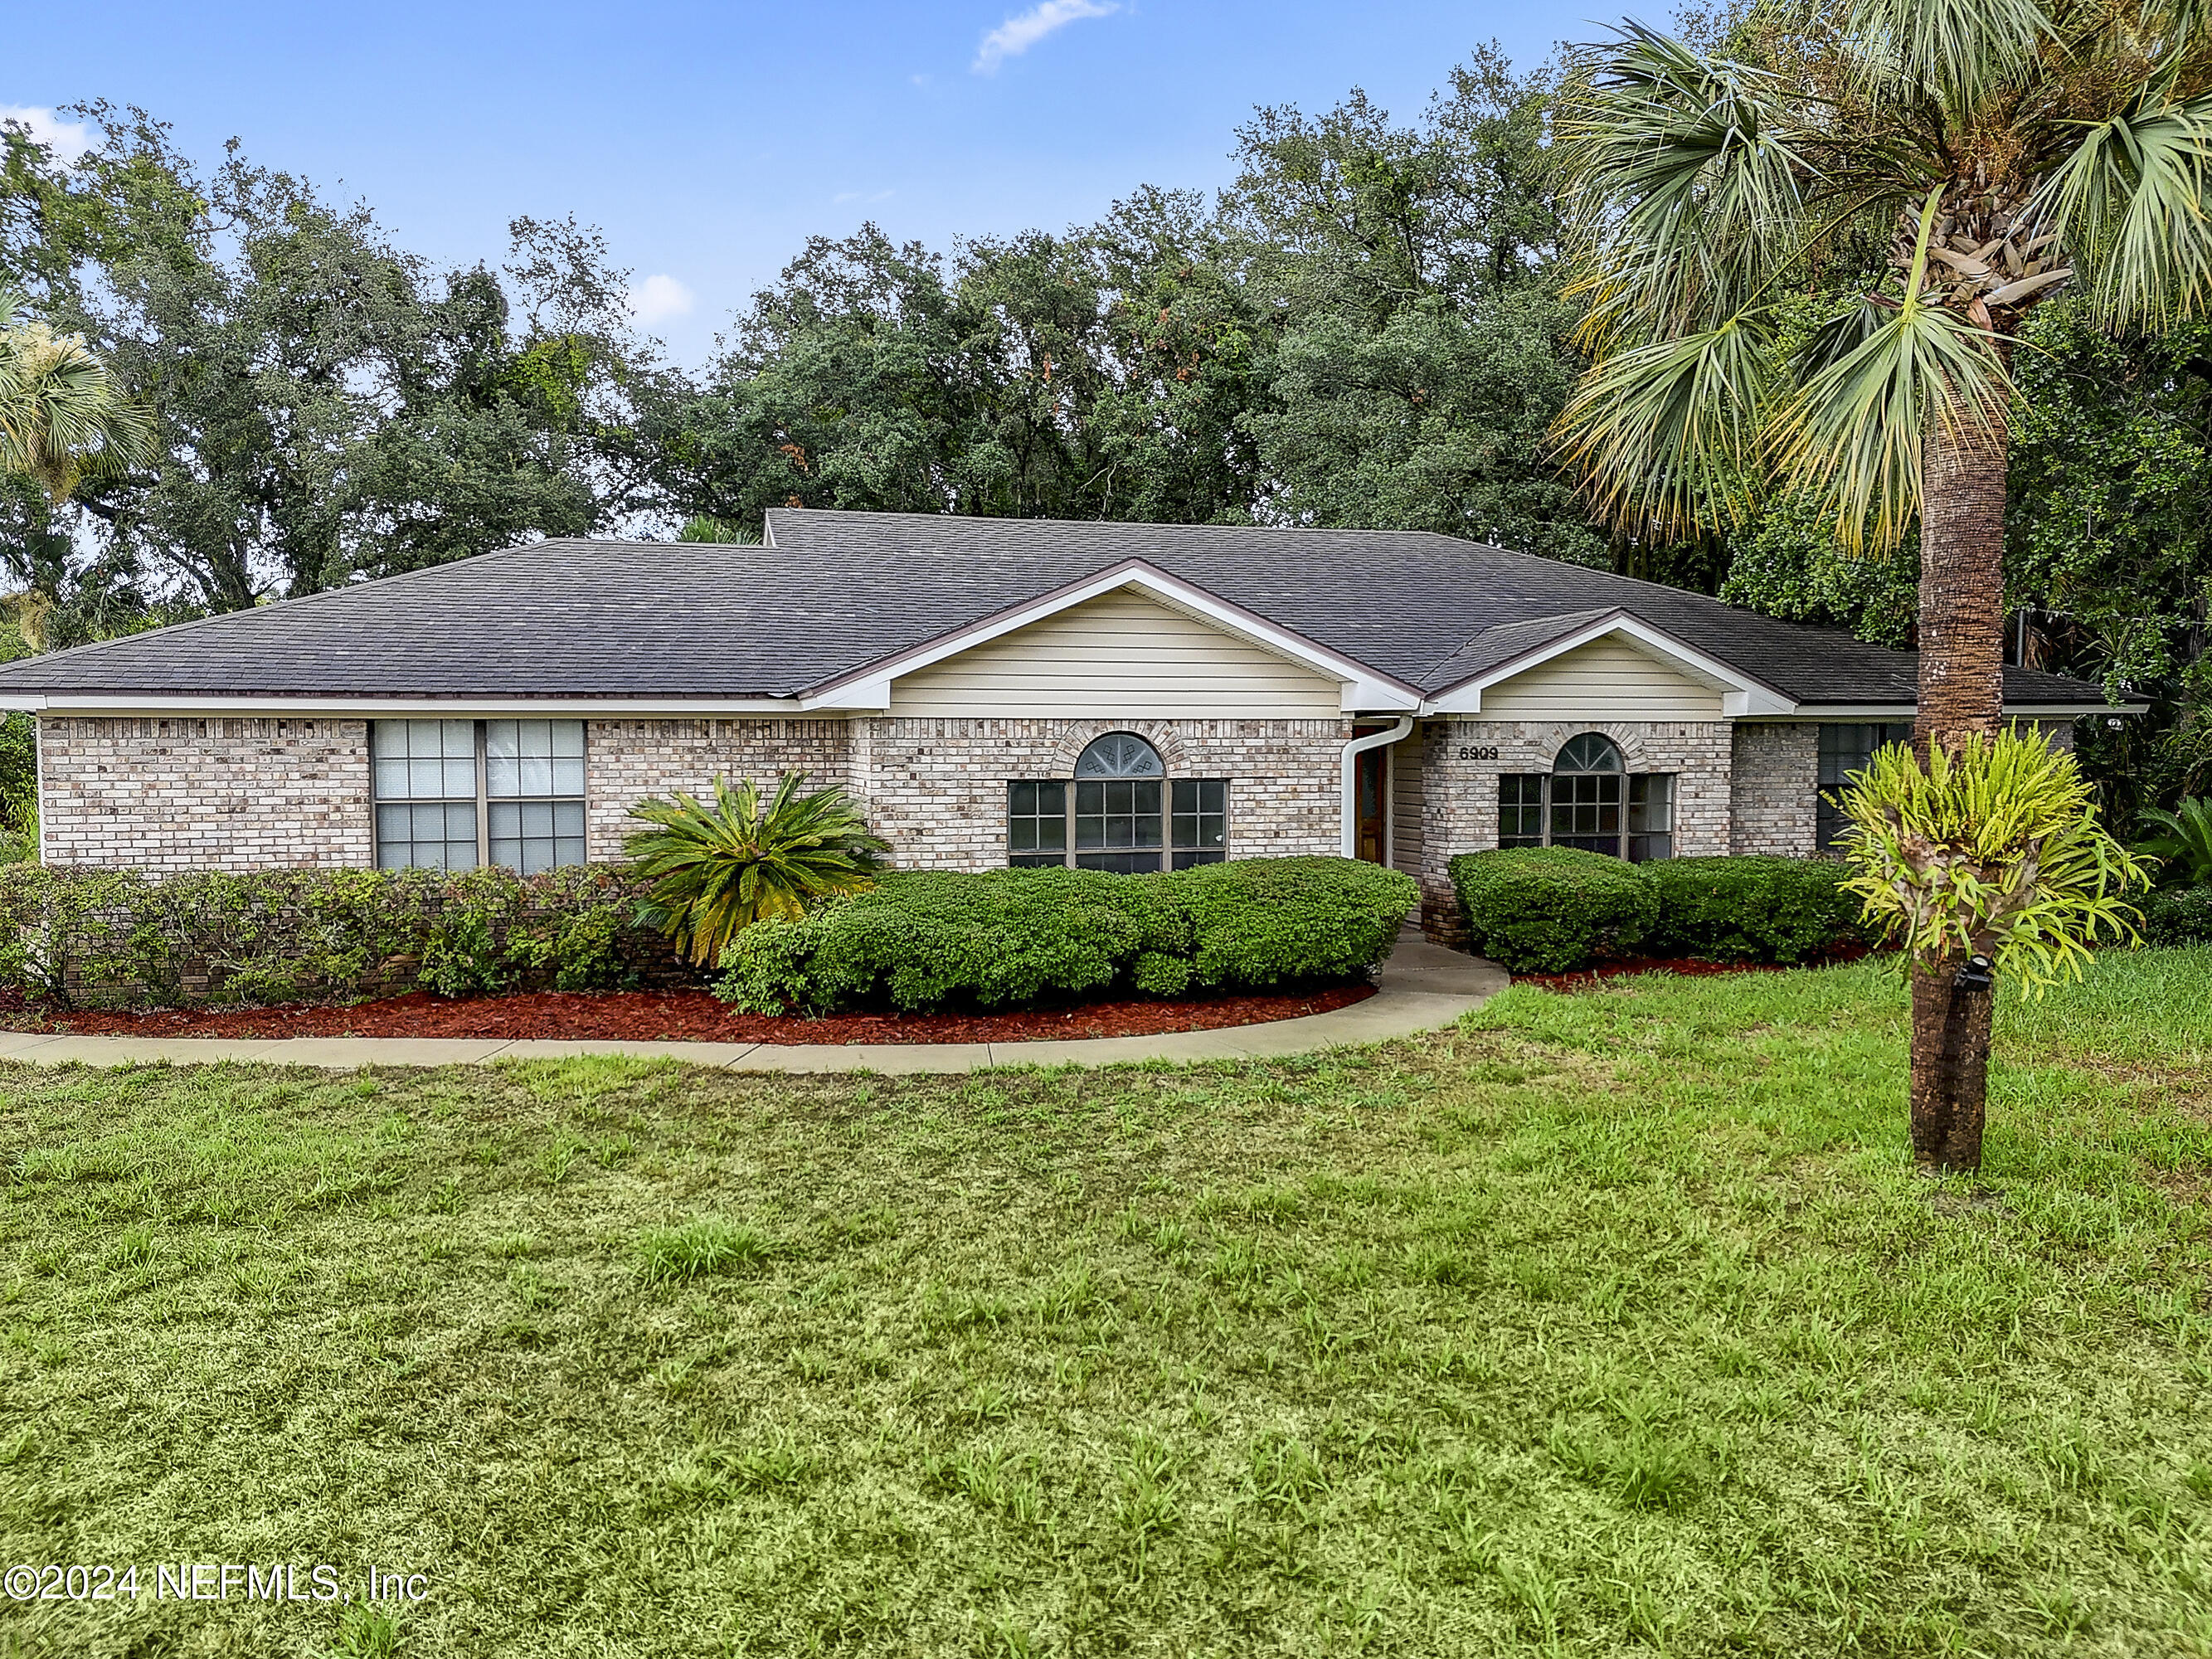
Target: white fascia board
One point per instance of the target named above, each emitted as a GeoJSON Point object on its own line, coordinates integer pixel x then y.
{"type": "Point", "coordinates": [123, 702]}
{"type": "Point", "coordinates": [1364, 689]}
{"type": "Point", "coordinates": [1741, 696]}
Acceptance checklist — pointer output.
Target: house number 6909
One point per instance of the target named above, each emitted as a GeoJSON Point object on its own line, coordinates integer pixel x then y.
{"type": "Point", "coordinates": [1489, 752]}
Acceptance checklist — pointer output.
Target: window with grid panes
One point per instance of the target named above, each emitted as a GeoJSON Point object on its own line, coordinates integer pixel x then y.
{"type": "Point", "coordinates": [1120, 812]}
{"type": "Point", "coordinates": [1589, 801]}
{"type": "Point", "coordinates": [453, 794]}
{"type": "Point", "coordinates": [534, 792]}
{"type": "Point", "coordinates": [424, 773]}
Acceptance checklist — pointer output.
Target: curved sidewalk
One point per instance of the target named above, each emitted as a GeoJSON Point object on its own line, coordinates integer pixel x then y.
{"type": "Point", "coordinates": [1422, 986]}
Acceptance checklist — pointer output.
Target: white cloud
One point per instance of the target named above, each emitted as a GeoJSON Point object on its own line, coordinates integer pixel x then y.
{"type": "Point", "coordinates": [844, 196]}
{"type": "Point", "coordinates": [1019, 33]}
{"type": "Point", "coordinates": [657, 298]}
{"type": "Point", "coordinates": [67, 139]}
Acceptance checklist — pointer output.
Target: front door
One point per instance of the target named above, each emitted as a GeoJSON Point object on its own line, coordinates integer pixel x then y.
{"type": "Point", "coordinates": [1371, 792]}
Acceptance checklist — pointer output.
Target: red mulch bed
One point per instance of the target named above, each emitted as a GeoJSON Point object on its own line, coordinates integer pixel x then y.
{"type": "Point", "coordinates": [1591, 978]}
{"type": "Point", "coordinates": [690, 1017]}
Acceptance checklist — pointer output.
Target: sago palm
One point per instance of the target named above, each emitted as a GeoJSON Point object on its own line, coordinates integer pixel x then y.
{"type": "Point", "coordinates": [716, 870]}
{"type": "Point", "coordinates": [1807, 261]}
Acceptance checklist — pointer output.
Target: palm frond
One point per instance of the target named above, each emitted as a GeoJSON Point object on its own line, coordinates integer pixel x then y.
{"type": "Point", "coordinates": [1663, 432]}
{"type": "Point", "coordinates": [1955, 51]}
{"type": "Point", "coordinates": [1684, 174]}
{"type": "Point", "coordinates": [1854, 430]}
{"type": "Point", "coordinates": [62, 416]}
{"type": "Point", "coordinates": [716, 870]}
{"type": "Point", "coordinates": [2128, 204]}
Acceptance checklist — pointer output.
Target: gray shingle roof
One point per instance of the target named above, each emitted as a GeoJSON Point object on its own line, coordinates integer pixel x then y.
{"type": "Point", "coordinates": [835, 592]}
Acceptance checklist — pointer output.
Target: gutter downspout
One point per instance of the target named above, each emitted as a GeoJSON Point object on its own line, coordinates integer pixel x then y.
{"type": "Point", "coordinates": [1352, 751]}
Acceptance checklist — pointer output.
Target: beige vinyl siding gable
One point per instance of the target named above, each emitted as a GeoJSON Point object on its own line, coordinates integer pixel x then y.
{"type": "Point", "coordinates": [1123, 655]}
{"type": "Point", "coordinates": [1608, 679]}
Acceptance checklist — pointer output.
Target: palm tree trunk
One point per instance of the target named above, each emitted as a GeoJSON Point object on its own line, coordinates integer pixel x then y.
{"type": "Point", "coordinates": [1962, 692]}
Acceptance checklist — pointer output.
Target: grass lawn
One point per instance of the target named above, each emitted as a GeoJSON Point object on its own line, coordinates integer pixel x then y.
{"type": "Point", "coordinates": [1611, 1323]}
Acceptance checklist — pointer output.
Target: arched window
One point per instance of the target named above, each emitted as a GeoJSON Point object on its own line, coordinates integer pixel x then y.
{"type": "Point", "coordinates": [1590, 799]}
{"type": "Point", "coordinates": [1120, 812]}
{"type": "Point", "coordinates": [1120, 755]}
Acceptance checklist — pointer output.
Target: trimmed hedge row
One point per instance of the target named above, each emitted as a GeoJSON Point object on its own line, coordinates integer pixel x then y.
{"type": "Point", "coordinates": [1551, 909]}
{"type": "Point", "coordinates": [1003, 939]}
{"type": "Point", "coordinates": [123, 939]}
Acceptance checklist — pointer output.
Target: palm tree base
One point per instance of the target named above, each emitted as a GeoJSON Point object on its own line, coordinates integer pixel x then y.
{"type": "Point", "coordinates": [1952, 1016]}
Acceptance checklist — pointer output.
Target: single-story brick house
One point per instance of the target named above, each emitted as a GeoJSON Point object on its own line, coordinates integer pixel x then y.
{"type": "Point", "coordinates": [1112, 696]}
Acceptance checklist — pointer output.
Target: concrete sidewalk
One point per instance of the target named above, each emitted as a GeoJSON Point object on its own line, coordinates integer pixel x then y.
{"type": "Point", "coordinates": [1422, 986]}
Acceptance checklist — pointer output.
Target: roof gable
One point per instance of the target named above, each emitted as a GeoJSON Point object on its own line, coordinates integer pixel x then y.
{"type": "Point", "coordinates": [870, 686]}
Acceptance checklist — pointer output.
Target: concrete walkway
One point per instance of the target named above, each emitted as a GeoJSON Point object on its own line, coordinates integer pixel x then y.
{"type": "Point", "coordinates": [1422, 986]}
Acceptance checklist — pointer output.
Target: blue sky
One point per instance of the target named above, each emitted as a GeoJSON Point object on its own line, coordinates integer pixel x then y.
{"type": "Point", "coordinates": [709, 141]}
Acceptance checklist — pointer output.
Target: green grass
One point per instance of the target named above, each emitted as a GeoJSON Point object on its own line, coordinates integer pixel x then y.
{"type": "Point", "coordinates": [1611, 1323]}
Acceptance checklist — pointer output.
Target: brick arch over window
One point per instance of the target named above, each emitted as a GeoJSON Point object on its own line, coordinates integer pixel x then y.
{"type": "Point", "coordinates": [1625, 738]}
{"type": "Point", "coordinates": [1080, 735]}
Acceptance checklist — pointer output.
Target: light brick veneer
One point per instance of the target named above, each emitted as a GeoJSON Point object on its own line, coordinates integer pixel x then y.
{"type": "Point", "coordinates": [1459, 807]}
{"type": "Point", "coordinates": [199, 795]}
{"type": "Point", "coordinates": [625, 761]}
{"type": "Point", "coordinates": [1778, 772]}
{"type": "Point", "coordinates": [241, 794]}
{"type": "Point", "coordinates": [936, 789]}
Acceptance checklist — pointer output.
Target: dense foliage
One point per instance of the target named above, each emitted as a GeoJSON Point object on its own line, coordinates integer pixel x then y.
{"type": "Point", "coordinates": [713, 870]}
{"type": "Point", "coordinates": [1997, 851]}
{"type": "Point", "coordinates": [1749, 909]}
{"type": "Point", "coordinates": [327, 405]}
{"type": "Point", "coordinates": [1007, 938]}
{"type": "Point", "coordinates": [1547, 909]}
{"type": "Point", "coordinates": [123, 939]}
{"type": "Point", "coordinates": [2178, 915]}
{"type": "Point", "coordinates": [1553, 909]}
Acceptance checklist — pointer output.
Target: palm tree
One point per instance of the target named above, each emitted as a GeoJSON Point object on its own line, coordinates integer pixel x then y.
{"type": "Point", "coordinates": [63, 419]}
{"type": "Point", "coordinates": [1806, 262]}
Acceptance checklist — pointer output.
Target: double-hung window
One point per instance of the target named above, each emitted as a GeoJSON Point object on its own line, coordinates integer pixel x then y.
{"type": "Point", "coordinates": [1590, 799]}
{"type": "Point", "coordinates": [1120, 812]}
{"type": "Point", "coordinates": [454, 794]}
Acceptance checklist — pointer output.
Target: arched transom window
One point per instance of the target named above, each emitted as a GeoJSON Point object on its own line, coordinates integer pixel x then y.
{"type": "Point", "coordinates": [1120, 812]}
{"type": "Point", "coordinates": [1590, 799]}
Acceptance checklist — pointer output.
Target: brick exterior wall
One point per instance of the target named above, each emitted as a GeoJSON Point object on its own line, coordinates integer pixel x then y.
{"type": "Point", "coordinates": [243, 795]}
{"type": "Point", "coordinates": [625, 761]}
{"type": "Point", "coordinates": [180, 793]}
{"type": "Point", "coordinates": [1778, 770]}
{"type": "Point", "coordinates": [1459, 809]}
{"type": "Point", "coordinates": [936, 789]}
{"type": "Point", "coordinates": [175, 794]}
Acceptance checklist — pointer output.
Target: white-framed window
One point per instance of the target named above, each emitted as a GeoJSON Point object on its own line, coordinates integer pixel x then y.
{"type": "Point", "coordinates": [454, 794]}
{"type": "Point", "coordinates": [1590, 799]}
{"type": "Point", "coordinates": [1120, 812]}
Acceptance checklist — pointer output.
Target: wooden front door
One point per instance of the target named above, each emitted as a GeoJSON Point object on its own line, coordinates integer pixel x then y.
{"type": "Point", "coordinates": [1371, 793]}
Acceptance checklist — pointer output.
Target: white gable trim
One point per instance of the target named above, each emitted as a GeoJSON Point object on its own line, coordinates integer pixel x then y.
{"type": "Point", "coordinates": [1740, 695]}
{"type": "Point", "coordinates": [1362, 688]}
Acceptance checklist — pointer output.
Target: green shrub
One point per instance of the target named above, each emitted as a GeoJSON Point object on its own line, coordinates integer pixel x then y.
{"type": "Point", "coordinates": [716, 870]}
{"type": "Point", "coordinates": [1548, 909]}
{"type": "Point", "coordinates": [120, 938]}
{"type": "Point", "coordinates": [1750, 909]}
{"type": "Point", "coordinates": [2178, 915]}
{"type": "Point", "coordinates": [1008, 938]}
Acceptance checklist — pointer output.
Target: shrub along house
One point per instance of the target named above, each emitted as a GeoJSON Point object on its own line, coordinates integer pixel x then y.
{"type": "Point", "coordinates": [994, 691]}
